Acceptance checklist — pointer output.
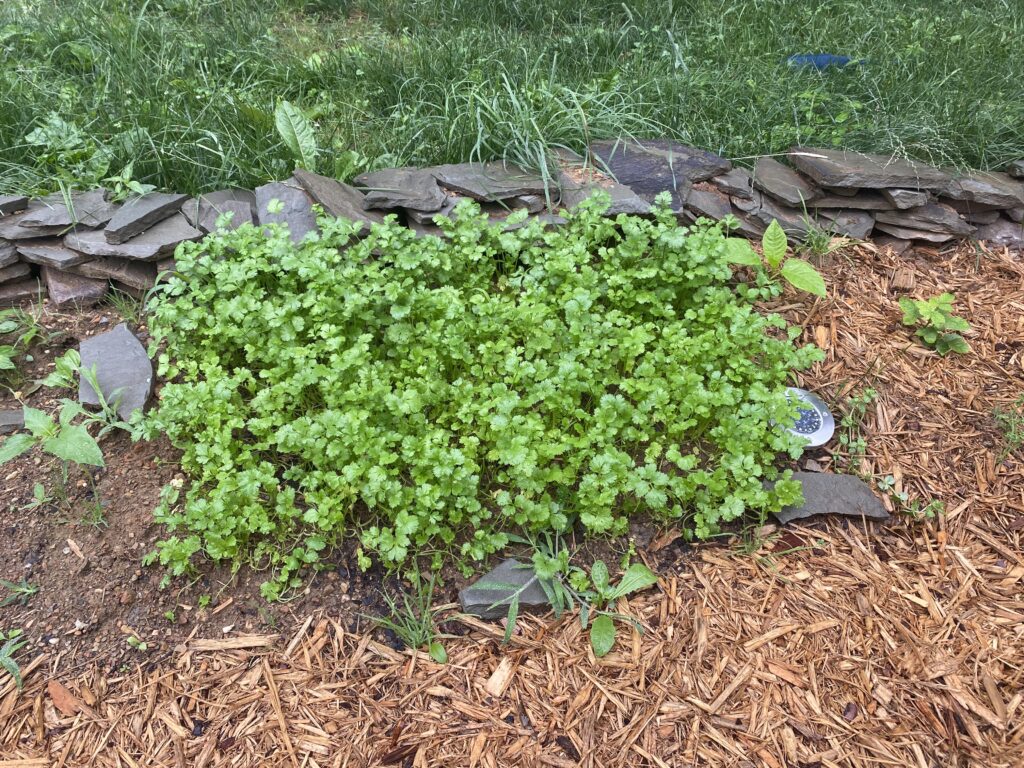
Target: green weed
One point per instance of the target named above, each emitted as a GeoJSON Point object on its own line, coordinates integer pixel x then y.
{"type": "Point", "coordinates": [1011, 424]}
{"type": "Point", "coordinates": [936, 324]}
{"type": "Point", "coordinates": [412, 619]}
{"type": "Point", "coordinates": [12, 642]}
{"type": "Point", "coordinates": [20, 592]}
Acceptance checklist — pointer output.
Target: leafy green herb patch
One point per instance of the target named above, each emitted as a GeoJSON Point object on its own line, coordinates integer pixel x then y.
{"type": "Point", "coordinates": [435, 394]}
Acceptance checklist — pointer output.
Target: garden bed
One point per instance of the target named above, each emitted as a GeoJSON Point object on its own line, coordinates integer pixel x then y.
{"type": "Point", "coordinates": [836, 644]}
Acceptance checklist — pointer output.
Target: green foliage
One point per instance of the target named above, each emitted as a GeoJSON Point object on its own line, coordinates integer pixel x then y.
{"type": "Point", "coordinates": [65, 369]}
{"type": "Point", "coordinates": [1011, 423]}
{"type": "Point", "coordinates": [12, 643]}
{"type": "Point", "coordinates": [19, 330]}
{"type": "Point", "coordinates": [123, 186]}
{"type": "Point", "coordinates": [852, 442]}
{"type": "Point", "coordinates": [413, 620]}
{"type": "Point", "coordinates": [796, 272]}
{"type": "Point", "coordinates": [65, 440]}
{"type": "Point", "coordinates": [187, 89]}
{"type": "Point", "coordinates": [297, 134]}
{"type": "Point", "coordinates": [936, 323]}
{"type": "Point", "coordinates": [447, 390]}
{"type": "Point", "coordinates": [20, 592]}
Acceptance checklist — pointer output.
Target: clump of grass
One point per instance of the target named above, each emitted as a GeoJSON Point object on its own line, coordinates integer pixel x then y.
{"type": "Point", "coordinates": [187, 88]}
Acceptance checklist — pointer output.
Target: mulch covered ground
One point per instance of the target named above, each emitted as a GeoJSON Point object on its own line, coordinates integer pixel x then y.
{"type": "Point", "coordinates": [837, 644]}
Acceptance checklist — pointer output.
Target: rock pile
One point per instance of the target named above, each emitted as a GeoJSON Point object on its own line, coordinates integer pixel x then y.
{"type": "Point", "coordinates": [75, 247]}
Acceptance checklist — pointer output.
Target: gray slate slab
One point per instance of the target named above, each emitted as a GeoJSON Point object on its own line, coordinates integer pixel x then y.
{"type": "Point", "coordinates": [933, 217]}
{"type": "Point", "coordinates": [849, 223]}
{"type": "Point", "coordinates": [1002, 232]}
{"type": "Point", "coordinates": [578, 184]}
{"type": "Point", "coordinates": [68, 289]}
{"type": "Point", "coordinates": [708, 202]}
{"type": "Point", "coordinates": [12, 204]}
{"type": "Point", "coordinates": [8, 254]}
{"type": "Point", "coordinates": [11, 227]}
{"type": "Point", "coordinates": [123, 370]}
{"type": "Point", "coordinates": [12, 294]}
{"type": "Point", "coordinates": [783, 183]}
{"type": "Point", "coordinates": [966, 206]}
{"type": "Point", "coordinates": [83, 209]}
{"type": "Point", "coordinates": [829, 494]}
{"type": "Point", "coordinates": [987, 188]}
{"type": "Point", "coordinates": [909, 233]}
{"type": "Point", "coordinates": [51, 253]}
{"type": "Point", "coordinates": [203, 212]}
{"type": "Point", "coordinates": [296, 212]}
{"type": "Point", "coordinates": [153, 244]}
{"type": "Point", "coordinates": [652, 166]}
{"type": "Point", "coordinates": [981, 217]}
{"type": "Point", "coordinates": [856, 170]}
{"type": "Point", "coordinates": [735, 183]}
{"type": "Point", "coordinates": [139, 275]}
{"type": "Point", "coordinates": [864, 200]}
{"type": "Point", "coordinates": [902, 199]}
{"type": "Point", "coordinates": [339, 200]}
{"type": "Point", "coordinates": [11, 420]}
{"type": "Point", "coordinates": [488, 182]}
{"type": "Point", "coordinates": [894, 244]}
{"type": "Point", "coordinates": [1013, 214]}
{"type": "Point", "coordinates": [17, 271]}
{"type": "Point", "coordinates": [393, 188]}
{"type": "Point", "coordinates": [1016, 169]}
{"type": "Point", "coordinates": [138, 215]}
{"type": "Point", "coordinates": [497, 588]}
{"type": "Point", "coordinates": [794, 223]}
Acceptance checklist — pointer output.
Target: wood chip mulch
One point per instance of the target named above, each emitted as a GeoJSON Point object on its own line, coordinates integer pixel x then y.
{"type": "Point", "coordinates": [837, 644]}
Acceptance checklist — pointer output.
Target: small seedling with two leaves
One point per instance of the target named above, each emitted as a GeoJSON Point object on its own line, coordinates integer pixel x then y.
{"type": "Point", "coordinates": [797, 272]}
{"type": "Point", "coordinates": [12, 642]}
{"type": "Point", "coordinates": [936, 323]}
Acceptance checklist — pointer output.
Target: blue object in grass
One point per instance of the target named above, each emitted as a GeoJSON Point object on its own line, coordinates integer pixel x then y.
{"type": "Point", "coordinates": [820, 61]}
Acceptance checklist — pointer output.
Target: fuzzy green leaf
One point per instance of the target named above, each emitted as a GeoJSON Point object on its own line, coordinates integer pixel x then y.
{"type": "Point", "coordinates": [14, 446]}
{"type": "Point", "coordinates": [773, 243]}
{"type": "Point", "coordinates": [738, 251]}
{"type": "Point", "coordinates": [599, 576]}
{"type": "Point", "coordinates": [297, 134]}
{"type": "Point", "coordinates": [438, 653]}
{"type": "Point", "coordinates": [602, 635]}
{"type": "Point", "coordinates": [74, 443]}
{"type": "Point", "coordinates": [803, 277]}
{"type": "Point", "coordinates": [638, 576]}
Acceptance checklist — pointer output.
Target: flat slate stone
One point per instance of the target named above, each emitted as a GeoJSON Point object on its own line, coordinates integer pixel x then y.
{"type": "Point", "coordinates": [202, 212]}
{"type": "Point", "coordinates": [1016, 169]}
{"type": "Point", "coordinates": [12, 294]}
{"type": "Point", "coordinates": [933, 217]}
{"type": "Point", "coordinates": [909, 233]}
{"type": "Point", "coordinates": [736, 183]}
{"type": "Point", "coordinates": [783, 183]}
{"type": "Point", "coordinates": [392, 188]}
{"type": "Point", "coordinates": [11, 227]}
{"type": "Point", "coordinates": [856, 170]}
{"type": "Point", "coordinates": [849, 223]}
{"type": "Point", "coordinates": [534, 203]}
{"type": "Point", "coordinates": [578, 183]}
{"type": "Point", "coordinates": [864, 200]}
{"type": "Point", "coordinates": [966, 206]}
{"type": "Point", "coordinates": [86, 209]}
{"type": "Point", "coordinates": [906, 198]}
{"type": "Point", "coordinates": [17, 271]}
{"type": "Point", "coordinates": [139, 275]}
{"type": "Point", "coordinates": [123, 370]}
{"type": "Point", "coordinates": [153, 244]}
{"type": "Point", "coordinates": [794, 223]}
{"type": "Point", "coordinates": [981, 217]}
{"type": "Point", "coordinates": [52, 253]}
{"type": "Point", "coordinates": [339, 200]}
{"type": "Point", "coordinates": [11, 420]}
{"type": "Point", "coordinates": [488, 182]}
{"type": "Point", "coordinates": [138, 215]}
{"type": "Point", "coordinates": [894, 244]}
{"type": "Point", "coordinates": [652, 166]}
{"type": "Point", "coordinates": [830, 494]}
{"type": "Point", "coordinates": [8, 254]}
{"type": "Point", "coordinates": [296, 212]}
{"type": "Point", "coordinates": [1013, 214]}
{"type": "Point", "coordinates": [1002, 232]}
{"type": "Point", "coordinates": [12, 204]}
{"type": "Point", "coordinates": [705, 200]}
{"type": "Point", "coordinates": [69, 289]}
{"type": "Point", "coordinates": [749, 226]}
{"type": "Point", "coordinates": [987, 188]}
{"type": "Point", "coordinates": [490, 595]}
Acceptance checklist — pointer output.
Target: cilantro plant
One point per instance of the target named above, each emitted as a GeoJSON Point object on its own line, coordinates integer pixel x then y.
{"type": "Point", "coordinates": [436, 393]}
{"type": "Point", "coordinates": [936, 323]}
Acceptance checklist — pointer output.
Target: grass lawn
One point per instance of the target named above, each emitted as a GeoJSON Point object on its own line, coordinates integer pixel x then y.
{"type": "Point", "coordinates": [187, 88]}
